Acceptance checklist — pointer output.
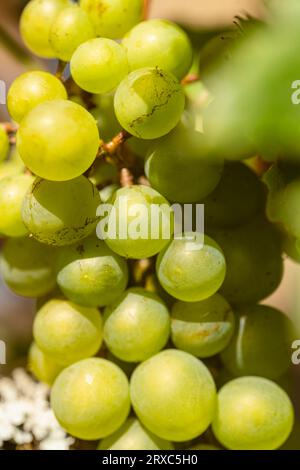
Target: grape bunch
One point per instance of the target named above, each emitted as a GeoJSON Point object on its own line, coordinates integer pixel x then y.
{"type": "Point", "coordinates": [146, 342]}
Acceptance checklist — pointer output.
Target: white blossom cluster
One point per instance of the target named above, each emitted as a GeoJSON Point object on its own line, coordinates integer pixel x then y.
{"type": "Point", "coordinates": [26, 416]}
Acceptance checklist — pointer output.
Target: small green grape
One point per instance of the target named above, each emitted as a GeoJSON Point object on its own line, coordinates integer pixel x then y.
{"type": "Point", "coordinates": [58, 140]}
{"type": "Point", "coordinates": [133, 436]}
{"type": "Point", "coordinates": [136, 311]}
{"type": "Point", "coordinates": [90, 399]}
{"type": "Point", "coordinates": [173, 395]}
{"type": "Point", "coordinates": [27, 267]}
{"type": "Point", "coordinates": [61, 213]}
{"type": "Point", "coordinates": [253, 414]}
{"type": "Point", "coordinates": [12, 193]}
{"type": "Point", "coordinates": [67, 332]}
{"type": "Point", "coordinates": [36, 22]}
{"type": "Point", "coordinates": [31, 89]}
{"type": "Point", "coordinates": [99, 65]}
{"type": "Point", "coordinates": [159, 43]}
{"type": "Point", "coordinates": [42, 366]}
{"type": "Point", "coordinates": [90, 274]}
{"type": "Point", "coordinates": [105, 116]}
{"type": "Point", "coordinates": [4, 144]}
{"type": "Point", "coordinates": [103, 173]}
{"type": "Point", "coordinates": [71, 28]}
{"type": "Point", "coordinates": [202, 328]}
{"type": "Point", "coordinates": [149, 103]}
{"type": "Point", "coordinates": [191, 272]}
{"type": "Point", "coordinates": [113, 18]}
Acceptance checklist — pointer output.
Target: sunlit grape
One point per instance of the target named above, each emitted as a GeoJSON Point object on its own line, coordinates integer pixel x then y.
{"type": "Point", "coordinates": [4, 144]}
{"type": "Point", "coordinates": [41, 366]}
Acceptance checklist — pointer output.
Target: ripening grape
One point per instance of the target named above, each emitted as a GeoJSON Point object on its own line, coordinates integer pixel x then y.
{"type": "Point", "coordinates": [173, 395]}
{"type": "Point", "coordinates": [27, 267]}
{"type": "Point", "coordinates": [113, 18]}
{"type": "Point", "coordinates": [136, 326]}
{"type": "Point", "coordinates": [261, 344]}
{"type": "Point", "coordinates": [67, 332]}
{"type": "Point", "coordinates": [190, 271]}
{"type": "Point", "coordinates": [90, 399]}
{"type": "Point", "coordinates": [202, 328]}
{"type": "Point", "coordinates": [58, 140]}
{"type": "Point", "coordinates": [149, 103]}
{"type": "Point", "coordinates": [41, 366]}
{"type": "Point", "coordinates": [36, 22]}
{"type": "Point", "coordinates": [4, 144]}
{"type": "Point", "coordinates": [90, 274]}
{"type": "Point", "coordinates": [31, 89]}
{"type": "Point", "coordinates": [253, 414]}
{"type": "Point", "coordinates": [99, 65]}
{"type": "Point", "coordinates": [159, 43]}
{"type": "Point", "coordinates": [61, 213]}
{"type": "Point", "coordinates": [71, 28]}
{"type": "Point", "coordinates": [140, 223]}
{"type": "Point", "coordinates": [133, 436]}
{"type": "Point", "coordinates": [12, 193]}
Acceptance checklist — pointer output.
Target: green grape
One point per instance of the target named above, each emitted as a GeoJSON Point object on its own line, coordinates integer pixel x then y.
{"type": "Point", "coordinates": [90, 399]}
{"type": "Point", "coordinates": [149, 103]}
{"type": "Point", "coordinates": [204, 447]}
{"type": "Point", "coordinates": [105, 116]}
{"type": "Point", "coordinates": [4, 144]}
{"type": "Point", "coordinates": [27, 267]}
{"type": "Point", "coordinates": [189, 271]}
{"type": "Point", "coordinates": [253, 414]}
{"type": "Point", "coordinates": [179, 167]}
{"type": "Point", "coordinates": [99, 65]}
{"type": "Point", "coordinates": [261, 344]}
{"type": "Point", "coordinates": [113, 18]}
{"type": "Point", "coordinates": [159, 43]}
{"type": "Point", "coordinates": [131, 229]}
{"type": "Point", "coordinates": [36, 22]}
{"type": "Point", "coordinates": [108, 192]}
{"type": "Point", "coordinates": [61, 213]}
{"type": "Point", "coordinates": [102, 173]}
{"type": "Point", "coordinates": [134, 312]}
{"type": "Point", "coordinates": [173, 395]}
{"type": "Point", "coordinates": [42, 366]}
{"type": "Point", "coordinates": [67, 332]}
{"type": "Point", "coordinates": [133, 436]}
{"type": "Point", "coordinates": [31, 89]}
{"type": "Point", "coordinates": [12, 193]}
{"type": "Point", "coordinates": [58, 140]}
{"type": "Point", "coordinates": [90, 274]}
{"type": "Point", "coordinates": [236, 200]}
{"type": "Point", "coordinates": [202, 328]}
{"type": "Point", "coordinates": [71, 28]}
{"type": "Point", "coordinates": [254, 261]}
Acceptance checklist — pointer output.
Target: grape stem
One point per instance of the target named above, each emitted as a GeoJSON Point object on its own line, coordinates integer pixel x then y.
{"type": "Point", "coordinates": [111, 148]}
{"type": "Point", "coordinates": [126, 178]}
{"type": "Point", "coordinates": [191, 78]}
{"type": "Point", "coordinates": [9, 127]}
{"type": "Point", "coordinates": [147, 5]}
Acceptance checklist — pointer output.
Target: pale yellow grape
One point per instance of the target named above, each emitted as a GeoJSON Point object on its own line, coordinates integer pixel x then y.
{"type": "Point", "coordinates": [173, 395]}
{"type": "Point", "coordinates": [41, 366]}
{"type": "Point", "coordinates": [67, 332]}
{"type": "Point", "coordinates": [4, 144]}
{"type": "Point", "coordinates": [31, 89]}
{"type": "Point", "coordinates": [58, 140]}
{"type": "Point", "coordinates": [90, 399]}
{"type": "Point", "coordinates": [99, 65]}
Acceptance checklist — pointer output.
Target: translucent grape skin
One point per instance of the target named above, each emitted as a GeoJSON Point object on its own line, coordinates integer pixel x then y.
{"type": "Point", "coordinates": [67, 332]}
{"type": "Point", "coordinates": [189, 272]}
{"type": "Point", "coordinates": [149, 103]}
{"type": "Point", "coordinates": [202, 328]}
{"type": "Point", "coordinates": [58, 140]}
{"type": "Point", "coordinates": [99, 65]}
{"type": "Point", "coordinates": [71, 28]}
{"type": "Point", "coordinates": [173, 395]}
{"type": "Point", "coordinates": [136, 311]}
{"type": "Point", "coordinates": [133, 436]}
{"type": "Point", "coordinates": [91, 274]}
{"type": "Point", "coordinates": [159, 43]}
{"type": "Point", "coordinates": [12, 192]}
{"type": "Point", "coordinates": [90, 399]}
{"type": "Point", "coordinates": [113, 18]}
{"type": "Point", "coordinates": [61, 213]}
{"type": "Point", "coordinates": [252, 351]}
{"type": "Point", "coordinates": [36, 22]}
{"type": "Point", "coordinates": [4, 144]}
{"type": "Point", "coordinates": [31, 89]}
{"type": "Point", "coordinates": [41, 366]}
{"type": "Point", "coordinates": [253, 414]}
{"type": "Point", "coordinates": [27, 267]}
